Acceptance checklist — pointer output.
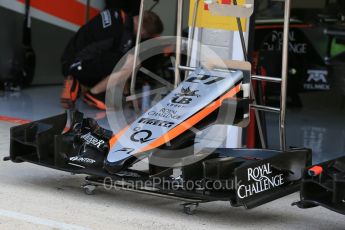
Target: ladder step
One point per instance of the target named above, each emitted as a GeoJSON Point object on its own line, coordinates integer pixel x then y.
{"type": "Point", "coordinates": [239, 11]}
{"type": "Point", "coordinates": [265, 108]}
{"type": "Point", "coordinates": [266, 78]}
{"type": "Point", "coordinates": [187, 68]}
{"type": "Point", "coordinates": [228, 64]}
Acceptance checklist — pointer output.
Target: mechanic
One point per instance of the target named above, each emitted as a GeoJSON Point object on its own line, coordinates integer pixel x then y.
{"type": "Point", "coordinates": [94, 51]}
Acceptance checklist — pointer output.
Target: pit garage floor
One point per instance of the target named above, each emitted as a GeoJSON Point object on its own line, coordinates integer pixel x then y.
{"type": "Point", "coordinates": [32, 197]}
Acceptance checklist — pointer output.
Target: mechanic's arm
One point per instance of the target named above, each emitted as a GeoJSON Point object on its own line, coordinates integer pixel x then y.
{"type": "Point", "coordinates": [115, 78]}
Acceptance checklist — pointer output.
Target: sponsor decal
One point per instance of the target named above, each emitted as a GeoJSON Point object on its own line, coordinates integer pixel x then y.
{"type": "Point", "coordinates": [89, 139]}
{"type": "Point", "coordinates": [184, 96]}
{"type": "Point", "coordinates": [317, 80]}
{"type": "Point", "coordinates": [155, 122]}
{"type": "Point", "coordinates": [142, 136]}
{"type": "Point", "coordinates": [188, 93]}
{"type": "Point", "coordinates": [106, 19]}
{"type": "Point", "coordinates": [178, 106]}
{"type": "Point", "coordinates": [205, 79]}
{"type": "Point", "coordinates": [165, 113]}
{"type": "Point", "coordinates": [182, 100]}
{"type": "Point", "coordinates": [82, 160]}
{"type": "Point", "coordinates": [277, 39]}
{"type": "Point", "coordinates": [260, 179]}
{"type": "Point", "coordinates": [76, 65]}
{"type": "Point", "coordinates": [126, 150]}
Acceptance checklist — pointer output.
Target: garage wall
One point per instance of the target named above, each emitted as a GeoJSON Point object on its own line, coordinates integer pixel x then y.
{"type": "Point", "coordinates": [166, 9]}
{"type": "Point", "coordinates": [48, 43]}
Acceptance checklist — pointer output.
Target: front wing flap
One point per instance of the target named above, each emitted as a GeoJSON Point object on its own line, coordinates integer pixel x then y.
{"type": "Point", "coordinates": [269, 179]}
{"type": "Point", "coordinates": [324, 185]}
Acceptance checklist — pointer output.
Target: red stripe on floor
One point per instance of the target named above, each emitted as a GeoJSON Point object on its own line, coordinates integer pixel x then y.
{"type": "Point", "coordinates": [14, 120]}
{"type": "Point", "coordinates": [20, 121]}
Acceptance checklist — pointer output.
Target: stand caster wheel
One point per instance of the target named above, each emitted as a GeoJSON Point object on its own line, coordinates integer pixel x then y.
{"type": "Point", "coordinates": [89, 189]}
{"type": "Point", "coordinates": [190, 208]}
{"type": "Point", "coordinates": [7, 159]}
{"type": "Point", "coordinates": [304, 205]}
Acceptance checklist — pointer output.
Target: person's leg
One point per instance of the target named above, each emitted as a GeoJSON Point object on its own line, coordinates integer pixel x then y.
{"type": "Point", "coordinates": [79, 79]}
{"type": "Point", "coordinates": [70, 92]}
{"type": "Point", "coordinates": [95, 97]}
{"type": "Point", "coordinates": [91, 75]}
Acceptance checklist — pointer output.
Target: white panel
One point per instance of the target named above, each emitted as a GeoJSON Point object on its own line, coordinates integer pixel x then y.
{"type": "Point", "coordinates": [237, 53]}
{"type": "Point", "coordinates": [234, 137]}
{"type": "Point", "coordinates": [219, 52]}
{"type": "Point", "coordinates": [216, 37]}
